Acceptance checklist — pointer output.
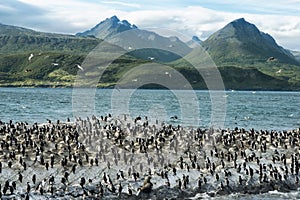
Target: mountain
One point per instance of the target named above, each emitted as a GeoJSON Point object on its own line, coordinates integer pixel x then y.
{"type": "Point", "coordinates": [143, 44]}
{"type": "Point", "coordinates": [194, 41]}
{"type": "Point", "coordinates": [29, 57]}
{"type": "Point", "coordinates": [242, 42]}
{"type": "Point", "coordinates": [246, 57]}
{"type": "Point", "coordinates": [108, 27]}
{"type": "Point", "coordinates": [15, 39]}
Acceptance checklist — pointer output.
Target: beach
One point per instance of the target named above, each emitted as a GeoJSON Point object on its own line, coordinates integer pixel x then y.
{"type": "Point", "coordinates": [129, 158]}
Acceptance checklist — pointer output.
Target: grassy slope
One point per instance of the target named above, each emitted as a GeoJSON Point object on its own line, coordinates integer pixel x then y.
{"type": "Point", "coordinates": [41, 71]}
{"type": "Point", "coordinates": [238, 72]}
{"type": "Point", "coordinates": [244, 75]}
{"type": "Point", "coordinates": [53, 63]}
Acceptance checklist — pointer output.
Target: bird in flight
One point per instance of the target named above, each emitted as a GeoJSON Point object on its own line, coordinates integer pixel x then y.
{"type": "Point", "coordinates": [30, 57]}
{"type": "Point", "coordinates": [79, 67]}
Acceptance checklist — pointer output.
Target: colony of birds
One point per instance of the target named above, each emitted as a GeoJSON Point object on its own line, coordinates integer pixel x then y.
{"type": "Point", "coordinates": [122, 158]}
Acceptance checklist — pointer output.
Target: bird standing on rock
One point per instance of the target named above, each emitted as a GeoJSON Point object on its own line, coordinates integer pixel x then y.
{"type": "Point", "coordinates": [28, 188]}
{"type": "Point", "coordinates": [129, 191]}
{"type": "Point", "coordinates": [147, 186]}
{"type": "Point", "coordinates": [82, 181]}
{"type": "Point", "coordinates": [20, 177]}
{"type": "Point", "coordinates": [34, 178]}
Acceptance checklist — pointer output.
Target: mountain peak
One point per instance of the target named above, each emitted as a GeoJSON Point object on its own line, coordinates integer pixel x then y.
{"type": "Point", "coordinates": [108, 27]}
{"type": "Point", "coordinates": [240, 20]}
{"type": "Point", "coordinates": [240, 27]}
{"type": "Point", "coordinates": [114, 18]}
{"type": "Point", "coordinates": [241, 39]}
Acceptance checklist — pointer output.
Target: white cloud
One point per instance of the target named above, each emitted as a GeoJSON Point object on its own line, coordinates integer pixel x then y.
{"type": "Point", "coordinates": [196, 20]}
{"type": "Point", "coordinates": [133, 5]}
{"type": "Point", "coordinates": [6, 8]}
{"type": "Point", "coordinates": [69, 15]}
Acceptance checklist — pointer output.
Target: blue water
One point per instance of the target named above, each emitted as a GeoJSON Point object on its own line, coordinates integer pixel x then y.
{"type": "Point", "coordinates": [259, 110]}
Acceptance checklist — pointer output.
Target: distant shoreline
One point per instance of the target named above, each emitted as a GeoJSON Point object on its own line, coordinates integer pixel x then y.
{"type": "Point", "coordinates": [144, 88]}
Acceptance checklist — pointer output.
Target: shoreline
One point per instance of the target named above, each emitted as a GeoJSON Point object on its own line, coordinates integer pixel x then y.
{"type": "Point", "coordinates": [146, 88]}
{"type": "Point", "coordinates": [115, 156]}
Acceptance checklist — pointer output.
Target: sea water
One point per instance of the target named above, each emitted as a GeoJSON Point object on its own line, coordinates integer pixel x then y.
{"type": "Point", "coordinates": [267, 110]}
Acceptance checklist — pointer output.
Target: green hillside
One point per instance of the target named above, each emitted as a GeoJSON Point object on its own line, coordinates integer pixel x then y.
{"type": "Point", "coordinates": [242, 46]}
{"type": "Point", "coordinates": [53, 57]}
{"type": "Point", "coordinates": [242, 42]}
{"type": "Point", "coordinates": [247, 59]}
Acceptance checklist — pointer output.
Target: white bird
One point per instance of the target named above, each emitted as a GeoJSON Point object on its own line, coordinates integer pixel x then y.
{"type": "Point", "coordinates": [151, 58]}
{"type": "Point", "coordinates": [79, 67]}
{"type": "Point", "coordinates": [167, 73]}
{"type": "Point", "coordinates": [279, 71]}
{"type": "Point", "coordinates": [30, 57]}
{"type": "Point", "coordinates": [55, 64]}
{"type": "Point", "coordinates": [247, 118]}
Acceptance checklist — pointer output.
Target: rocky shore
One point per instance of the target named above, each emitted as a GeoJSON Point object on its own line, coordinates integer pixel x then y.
{"type": "Point", "coordinates": [110, 157]}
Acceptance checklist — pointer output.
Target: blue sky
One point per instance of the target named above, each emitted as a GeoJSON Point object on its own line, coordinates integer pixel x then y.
{"type": "Point", "coordinates": [279, 18]}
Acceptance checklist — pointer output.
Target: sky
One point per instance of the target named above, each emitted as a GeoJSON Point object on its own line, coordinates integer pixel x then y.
{"type": "Point", "coordinates": [279, 18]}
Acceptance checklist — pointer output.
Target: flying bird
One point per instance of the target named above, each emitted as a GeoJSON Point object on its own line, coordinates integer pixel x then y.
{"type": "Point", "coordinates": [30, 57]}
{"type": "Point", "coordinates": [168, 74]}
{"type": "Point", "coordinates": [79, 67]}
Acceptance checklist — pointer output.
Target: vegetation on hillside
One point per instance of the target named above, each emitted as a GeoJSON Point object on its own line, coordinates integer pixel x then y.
{"type": "Point", "coordinates": [29, 58]}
